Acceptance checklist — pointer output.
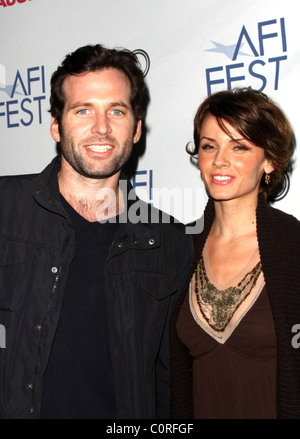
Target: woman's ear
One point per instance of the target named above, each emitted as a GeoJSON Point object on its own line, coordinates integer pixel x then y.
{"type": "Point", "coordinates": [268, 167]}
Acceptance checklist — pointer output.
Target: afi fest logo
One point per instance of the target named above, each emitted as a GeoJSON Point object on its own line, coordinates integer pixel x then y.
{"type": "Point", "coordinates": [267, 45]}
{"type": "Point", "coordinates": [24, 95]}
{"type": "Point", "coordinates": [11, 2]}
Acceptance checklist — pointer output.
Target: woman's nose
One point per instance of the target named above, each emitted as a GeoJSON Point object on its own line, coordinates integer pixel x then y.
{"type": "Point", "coordinates": [221, 159]}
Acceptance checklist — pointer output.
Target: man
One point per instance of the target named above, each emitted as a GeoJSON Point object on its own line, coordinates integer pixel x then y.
{"type": "Point", "coordinates": [89, 273]}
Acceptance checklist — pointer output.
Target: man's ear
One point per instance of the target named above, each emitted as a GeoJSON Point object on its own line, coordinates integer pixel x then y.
{"type": "Point", "coordinates": [54, 130]}
{"type": "Point", "coordinates": [138, 132]}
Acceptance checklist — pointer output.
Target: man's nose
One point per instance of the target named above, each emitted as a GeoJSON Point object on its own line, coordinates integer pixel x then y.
{"type": "Point", "coordinates": [101, 124]}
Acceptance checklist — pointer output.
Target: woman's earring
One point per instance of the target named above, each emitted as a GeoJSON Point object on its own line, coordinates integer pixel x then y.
{"type": "Point", "coordinates": [267, 178]}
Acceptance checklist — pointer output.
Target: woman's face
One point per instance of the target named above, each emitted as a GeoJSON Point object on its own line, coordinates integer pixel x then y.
{"type": "Point", "coordinates": [231, 166]}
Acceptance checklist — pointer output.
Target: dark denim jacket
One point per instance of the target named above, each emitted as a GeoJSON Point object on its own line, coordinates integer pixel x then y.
{"type": "Point", "coordinates": [145, 271]}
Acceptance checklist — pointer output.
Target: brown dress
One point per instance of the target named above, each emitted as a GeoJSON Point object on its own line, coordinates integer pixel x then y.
{"type": "Point", "coordinates": [234, 380]}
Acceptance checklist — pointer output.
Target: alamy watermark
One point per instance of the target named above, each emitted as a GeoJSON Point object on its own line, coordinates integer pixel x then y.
{"type": "Point", "coordinates": [2, 337]}
{"type": "Point", "coordinates": [296, 338]}
{"type": "Point", "coordinates": [131, 208]}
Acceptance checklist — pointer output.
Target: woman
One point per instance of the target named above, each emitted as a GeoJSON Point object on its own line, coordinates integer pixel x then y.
{"type": "Point", "coordinates": [231, 337]}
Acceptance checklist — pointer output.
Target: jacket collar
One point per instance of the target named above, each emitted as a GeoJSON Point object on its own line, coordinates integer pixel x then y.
{"type": "Point", "coordinates": [46, 190]}
{"type": "Point", "coordinates": [46, 193]}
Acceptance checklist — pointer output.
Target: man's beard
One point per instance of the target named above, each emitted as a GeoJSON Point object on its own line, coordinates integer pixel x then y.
{"type": "Point", "coordinates": [89, 168]}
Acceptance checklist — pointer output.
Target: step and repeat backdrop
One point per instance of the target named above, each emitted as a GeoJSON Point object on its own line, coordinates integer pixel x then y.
{"type": "Point", "coordinates": [187, 48]}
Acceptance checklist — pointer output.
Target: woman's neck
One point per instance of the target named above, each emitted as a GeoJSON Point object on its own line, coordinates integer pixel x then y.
{"type": "Point", "coordinates": [234, 218]}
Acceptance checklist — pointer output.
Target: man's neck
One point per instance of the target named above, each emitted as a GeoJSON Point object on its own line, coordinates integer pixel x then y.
{"type": "Point", "coordinates": [94, 199]}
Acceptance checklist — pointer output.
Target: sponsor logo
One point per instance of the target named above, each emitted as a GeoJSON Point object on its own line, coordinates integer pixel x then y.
{"type": "Point", "coordinates": [144, 60]}
{"type": "Point", "coordinates": [5, 3]}
{"type": "Point", "coordinates": [256, 58]}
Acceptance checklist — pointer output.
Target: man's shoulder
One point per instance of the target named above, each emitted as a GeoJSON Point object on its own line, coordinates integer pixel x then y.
{"type": "Point", "coordinates": [156, 216]}
{"type": "Point", "coordinates": [17, 182]}
{"type": "Point", "coordinates": [148, 217]}
{"type": "Point", "coordinates": [27, 182]}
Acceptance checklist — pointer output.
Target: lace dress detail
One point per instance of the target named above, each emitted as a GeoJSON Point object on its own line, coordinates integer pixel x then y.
{"type": "Point", "coordinates": [217, 307]}
{"type": "Point", "coordinates": [233, 378]}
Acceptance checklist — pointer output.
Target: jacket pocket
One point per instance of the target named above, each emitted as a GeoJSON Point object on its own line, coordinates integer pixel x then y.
{"type": "Point", "coordinates": [15, 257]}
{"type": "Point", "coordinates": [158, 285]}
{"type": "Point", "coordinates": [154, 302]}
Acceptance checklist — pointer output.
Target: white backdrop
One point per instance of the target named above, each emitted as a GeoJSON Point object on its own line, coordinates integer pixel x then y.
{"type": "Point", "coordinates": [195, 47]}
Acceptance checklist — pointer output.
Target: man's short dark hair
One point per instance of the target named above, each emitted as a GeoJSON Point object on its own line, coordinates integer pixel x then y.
{"type": "Point", "coordinates": [92, 58]}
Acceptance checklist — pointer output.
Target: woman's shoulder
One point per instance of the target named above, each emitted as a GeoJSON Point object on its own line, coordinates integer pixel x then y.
{"type": "Point", "coordinates": [279, 232]}
{"type": "Point", "coordinates": [284, 218]}
{"type": "Point", "coordinates": [272, 215]}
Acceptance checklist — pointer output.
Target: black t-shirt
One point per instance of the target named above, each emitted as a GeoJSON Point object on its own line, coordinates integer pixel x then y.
{"type": "Point", "coordinates": [79, 382]}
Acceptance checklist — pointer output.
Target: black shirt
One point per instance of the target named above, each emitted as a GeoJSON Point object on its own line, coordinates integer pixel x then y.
{"type": "Point", "coordinates": [79, 382]}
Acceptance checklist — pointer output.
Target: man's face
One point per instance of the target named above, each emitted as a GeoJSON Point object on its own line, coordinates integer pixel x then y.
{"type": "Point", "coordinates": [97, 125]}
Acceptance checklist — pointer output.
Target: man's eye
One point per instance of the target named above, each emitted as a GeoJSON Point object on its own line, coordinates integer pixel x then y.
{"type": "Point", "coordinates": [117, 112]}
{"type": "Point", "coordinates": [83, 111]}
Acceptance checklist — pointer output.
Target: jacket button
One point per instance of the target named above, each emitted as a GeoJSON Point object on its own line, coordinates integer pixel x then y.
{"type": "Point", "coordinates": [151, 241]}
{"type": "Point", "coordinates": [120, 244]}
{"type": "Point", "coordinates": [38, 327]}
{"type": "Point", "coordinates": [29, 386]}
{"type": "Point", "coordinates": [54, 269]}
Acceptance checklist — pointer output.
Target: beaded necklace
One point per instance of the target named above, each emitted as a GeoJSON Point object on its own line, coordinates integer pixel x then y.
{"type": "Point", "coordinates": [218, 307]}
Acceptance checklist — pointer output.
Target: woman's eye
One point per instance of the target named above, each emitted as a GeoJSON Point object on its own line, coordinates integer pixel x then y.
{"type": "Point", "coordinates": [207, 147]}
{"type": "Point", "coordinates": [241, 148]}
